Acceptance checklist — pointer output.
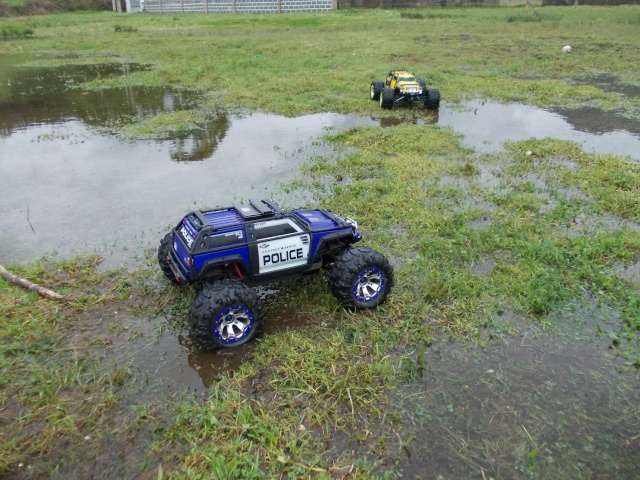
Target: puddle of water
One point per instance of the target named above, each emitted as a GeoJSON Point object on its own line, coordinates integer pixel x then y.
{"type": "Point", "coordinates": [486, 126]}
{"type": "Point", "coordinates": [80, 192]}
{"type": "Point", "coordinates": [530, 409]}
{"type": "Point", "coordinates": [536, 406]}
{"type": "Point", "coordinates": [597, 122]}
{"type": "Point", "coordinates": [71, 190]}
{"type": "Point", "coordinates": [609, 83]}
{"type": "Point", "coordinates": [166, 353]}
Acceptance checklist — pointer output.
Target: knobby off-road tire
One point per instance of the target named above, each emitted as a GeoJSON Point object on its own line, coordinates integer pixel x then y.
{"type": "Point", "coordinates": [376, 89]}
{"type": "Point", "coordinates": [163, 252]}
{"type": "Point", "coordinates": [423, 86]}
{"type": "Point", "coordinates": [433, 99]}
{"type": "Point", "coordinates": [226, 315]}
{"type": "Point", "coordinates": [361, 278]}
{"type": "Point", "coordinates": [386, 98]}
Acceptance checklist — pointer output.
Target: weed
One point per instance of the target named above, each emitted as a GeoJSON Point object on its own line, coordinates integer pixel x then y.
{"type": "Point", "coordinates": [125, 29]}
{"type": "Point", "coordinates": [412, 15]}
{"type": "Point", "coordinates": [534, 16]}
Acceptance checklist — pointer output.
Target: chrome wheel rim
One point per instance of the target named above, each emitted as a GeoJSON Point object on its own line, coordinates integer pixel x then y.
{"type": "Point", "coordinates": [369, 284]}
{"type": "Point", "coordinates": [233, 324]}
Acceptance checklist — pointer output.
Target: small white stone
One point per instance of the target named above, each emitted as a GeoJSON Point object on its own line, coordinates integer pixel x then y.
{"type": "Point", "coordinates": [566, 48]}
{"type": "Point", "coordinates": [529, 152]}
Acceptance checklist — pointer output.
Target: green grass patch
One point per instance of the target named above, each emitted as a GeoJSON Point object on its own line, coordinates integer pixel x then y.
{"type": "Point", "coordinates": [16, 31]}
{"type": "Point", "coordinates": [166, 125]}
{"type": "Point", "coordinates": [613, 182]}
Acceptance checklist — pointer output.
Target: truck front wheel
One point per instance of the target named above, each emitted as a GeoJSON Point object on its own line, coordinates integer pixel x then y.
{"type": "Point", "coordinates": [386, 98]}
{"type": "Point", "coordinates": [433, 99]}
{"type": "Point", "coordinates": [361, 278]}
{"type": "Point", "coordinates": [226, 315]}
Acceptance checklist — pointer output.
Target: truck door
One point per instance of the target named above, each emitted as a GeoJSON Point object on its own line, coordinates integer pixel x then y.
{"type": "Point", "coordinates": [280, 245]}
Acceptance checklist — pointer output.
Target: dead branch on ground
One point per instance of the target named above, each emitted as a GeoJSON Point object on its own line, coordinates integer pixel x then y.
{"type": "Point", "coordinates": [40, 290]}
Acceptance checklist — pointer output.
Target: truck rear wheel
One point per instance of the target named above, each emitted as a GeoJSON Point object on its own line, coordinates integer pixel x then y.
{"type": "Point", "coordinates": [376, 89]}
{"type": "Point", "coordinates": [163, 252]}
{"type": "Point", "coordinates": [361, 278]}
{"type": "Point", "coordinates": [226, 315]}
{"type": "Point", "coordinates": [386, 98]}
{"type": "Point", "coordinates": [433, 99]}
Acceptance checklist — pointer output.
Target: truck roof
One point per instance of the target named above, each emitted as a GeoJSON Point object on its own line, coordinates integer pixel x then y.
{"type": "Point", "coordinates": [235, 215]}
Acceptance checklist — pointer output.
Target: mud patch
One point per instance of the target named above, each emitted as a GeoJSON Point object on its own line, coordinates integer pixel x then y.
{"type": "Point", "coordinates": [591, 223]}
{"type": "Point", "coordinates": [483, 268]}
{"type": "Point", "coordinates": [479, 224]}
{"type": "Point", "coordinates": [163, 354]}
{"type": "Point", "coordinates": [630, 273]}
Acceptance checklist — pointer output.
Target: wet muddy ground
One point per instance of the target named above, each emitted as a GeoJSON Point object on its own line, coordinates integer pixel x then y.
{"type": "Point", "coordinates": [535, 403]}
{"type": "Point", "coordinates": [70, 188]}
{"type": "Point", "coordinates": [559, 401]}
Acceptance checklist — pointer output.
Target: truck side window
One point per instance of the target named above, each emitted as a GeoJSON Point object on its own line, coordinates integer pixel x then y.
{"type": "Point", "coordinates": [274, 229]}
{"type": "Point", "coordinates": [226, 239]}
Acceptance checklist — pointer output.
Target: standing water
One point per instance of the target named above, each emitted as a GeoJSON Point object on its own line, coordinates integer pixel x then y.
{"type": "Point", "coordinates": [70, 188]}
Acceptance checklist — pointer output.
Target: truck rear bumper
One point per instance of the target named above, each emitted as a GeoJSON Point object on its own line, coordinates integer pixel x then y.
{"type": "Point", "coordinates": [175, 269]}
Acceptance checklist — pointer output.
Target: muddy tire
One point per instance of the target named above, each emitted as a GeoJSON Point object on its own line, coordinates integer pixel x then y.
{"type": "Point", "coordinates": [163, 252]}
{"type": "Point", "coordinates": [386, 98]}
{"type": "Point", "coordinates": [226, 315]}
{"type": "Point", "coordinates": [433, 99]}
{"type": "Point", "coordinates": [361, 278]}
{"type": "Point", "coordinates": [376, 89]}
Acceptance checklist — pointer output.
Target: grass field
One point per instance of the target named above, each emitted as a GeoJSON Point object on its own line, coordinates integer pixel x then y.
{"type": "Point", "coordinates": [558, 226]}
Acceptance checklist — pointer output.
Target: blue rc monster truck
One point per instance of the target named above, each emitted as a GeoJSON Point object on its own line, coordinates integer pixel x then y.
{"type": "Point", "coordinates": [224, 252]}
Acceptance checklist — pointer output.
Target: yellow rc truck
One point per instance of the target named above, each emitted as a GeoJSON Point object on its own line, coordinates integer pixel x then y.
{"type": "Point", "coordinates": [402, 87]}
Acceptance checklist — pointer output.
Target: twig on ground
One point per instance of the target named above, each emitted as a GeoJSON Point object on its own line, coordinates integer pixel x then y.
{"type": "Point", "coordinates": [42, 291]}
{"type": "Point", "coordinates": [32, 229]}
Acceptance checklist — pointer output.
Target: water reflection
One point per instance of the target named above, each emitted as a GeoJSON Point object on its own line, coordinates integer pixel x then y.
{"type": "Point", "coordinates": [32, 96]}
{"type": "Point", "coordinates": [39, 95]}
{"type": "Point", "coordinates": [597, 122]}
{"type": "Point", "coordinates": [201, 145]}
